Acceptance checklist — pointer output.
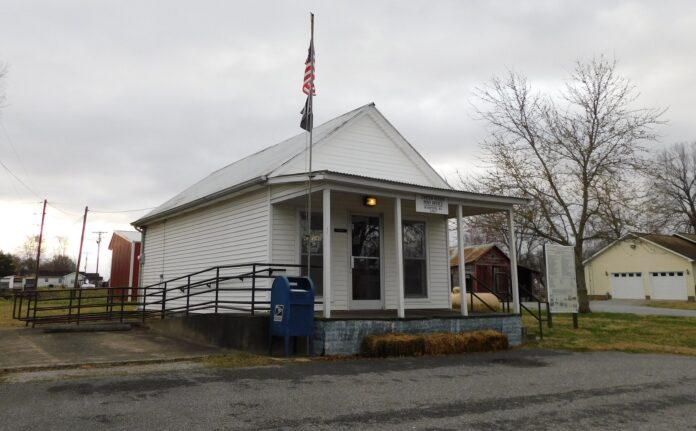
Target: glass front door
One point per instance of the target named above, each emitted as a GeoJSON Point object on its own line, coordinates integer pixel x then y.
{"type": "Point", "coordinates": [366, 261]}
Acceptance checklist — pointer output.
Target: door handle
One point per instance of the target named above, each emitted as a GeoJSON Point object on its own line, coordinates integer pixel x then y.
{"type": "Point", "coordinates": [352, 262]}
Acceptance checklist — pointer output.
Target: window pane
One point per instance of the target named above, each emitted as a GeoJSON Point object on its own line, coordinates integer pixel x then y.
{"type": "Point", "coordinates": [414, 278]}
{"type": "Point", "coordinates": [414, 240]}
{"type": "Point", "coordinates": [415, 267]}
{"type": "Point", "coordinates": [317, 249]}
{"type": "Point", "coordinates": [316, 234]}
{"type": "Point", "coordinates": [317, 272]}
{"type": "Point", "coordinates": [366, 279]}
{"type": "Point", "coordinates": [365, 236]}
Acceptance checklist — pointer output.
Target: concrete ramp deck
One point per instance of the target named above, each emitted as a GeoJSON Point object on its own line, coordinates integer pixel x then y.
{"type": "Point", "coordinates": [25, 348]}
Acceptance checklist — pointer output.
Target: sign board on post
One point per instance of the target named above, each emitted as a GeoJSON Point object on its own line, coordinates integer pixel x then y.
{"type": "Point", "coordinates": [431, 204]}
{"type": "Point", "coordinates": [561, 278]}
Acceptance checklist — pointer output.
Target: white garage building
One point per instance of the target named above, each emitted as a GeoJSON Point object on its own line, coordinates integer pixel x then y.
{"type": "Point", "coordinates": [644, 266]}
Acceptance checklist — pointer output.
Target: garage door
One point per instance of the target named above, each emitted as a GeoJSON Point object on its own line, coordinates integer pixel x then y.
{"type": "Point", "coordinates": [668, 285]}
{"type": "Point", "coordinates": [627, 285]}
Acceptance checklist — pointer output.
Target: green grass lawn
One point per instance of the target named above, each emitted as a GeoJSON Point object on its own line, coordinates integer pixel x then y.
{"type": "Point", "coordinates": [620, 332]}
{"type": "Point", "coordinates": [92, 301]}
{"type": "Point", "coordinates": [6, 320]}
{"type": "Point", "coordinates": [681, 305]}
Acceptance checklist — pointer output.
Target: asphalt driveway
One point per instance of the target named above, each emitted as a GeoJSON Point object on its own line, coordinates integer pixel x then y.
{"type": "Point", "coordinates": [512, 390]}
{"type": "Point", "coordinates": [635, 306]}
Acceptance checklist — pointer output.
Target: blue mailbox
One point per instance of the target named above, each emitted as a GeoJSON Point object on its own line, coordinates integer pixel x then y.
{"type": "Point", "coordinates": [292, 310]}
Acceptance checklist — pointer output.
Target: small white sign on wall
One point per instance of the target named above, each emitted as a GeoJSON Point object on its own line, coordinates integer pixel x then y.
{"type": "Point", "coordinates": [431, 204]}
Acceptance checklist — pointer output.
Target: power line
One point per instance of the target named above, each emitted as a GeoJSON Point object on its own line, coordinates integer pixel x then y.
{"type": "Point", "coordinates": [14, 150]}
{"type": "Point", "coordinates": [64, 211]}
{"type": "Point", "coordinates": [122, 211]}
{"type": "Point", "coordinates": [67, 213]}
{"type": "Point", "coordinates": [19, 180]}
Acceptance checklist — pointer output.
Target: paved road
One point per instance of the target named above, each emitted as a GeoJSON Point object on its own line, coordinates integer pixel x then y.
{"type": "Point", "coordinates": [513, 390]}
{"type": "Point", "coordinates": [631, 306]}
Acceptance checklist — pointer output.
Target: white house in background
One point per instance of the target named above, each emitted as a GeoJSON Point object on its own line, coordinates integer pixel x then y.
{"type": "Point", "coordinates": [11, 282]}
{"type": "Point", "coordinates": [390, 255]}
{"type": "Point", "coordinates": [49, 279]}
{"type": "Point", "coordinates": [69, 279]}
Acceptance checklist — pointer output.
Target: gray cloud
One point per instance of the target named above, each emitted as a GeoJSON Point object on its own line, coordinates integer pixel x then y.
{"type": "Point", "coordinates": [123, 104]}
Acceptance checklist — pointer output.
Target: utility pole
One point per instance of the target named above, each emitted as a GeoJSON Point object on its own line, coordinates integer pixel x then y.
{"type": "Point", "coordinates": [38, 249]}
{"type": "Point", "coordinates": [86, 257]}
{"type": "Point", "coordinates": [99, 233]}
{"type": "Point", "coordinates": [79, 255]}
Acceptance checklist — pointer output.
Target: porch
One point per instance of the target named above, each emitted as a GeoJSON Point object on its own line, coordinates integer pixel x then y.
{"type": "Point", "coordinates": [378, 245]}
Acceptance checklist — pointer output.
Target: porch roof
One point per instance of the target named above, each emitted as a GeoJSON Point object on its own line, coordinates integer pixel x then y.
{"type": "Point", "coordinates": [474, 203]}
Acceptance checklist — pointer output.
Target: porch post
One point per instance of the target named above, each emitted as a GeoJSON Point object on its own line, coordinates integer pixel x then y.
{"type": "Point", "coordinates": [399, 258]}
{"type": "Point", "coordinates": [326, 238]}
{"type": "Point", "coordinates": [513, 262]}
{"type": "Point", "coordinates": [462, 265]}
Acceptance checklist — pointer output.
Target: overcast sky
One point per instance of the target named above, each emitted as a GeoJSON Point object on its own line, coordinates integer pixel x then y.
{"type": "Point", "coordinates": [120, 105]}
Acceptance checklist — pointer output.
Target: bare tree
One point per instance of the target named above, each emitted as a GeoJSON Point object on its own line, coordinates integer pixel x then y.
{"type": "Point", "coordinates": [61, 245]}
{"type": "Point", "coordinates": [27, 254]}
{"type": "Point", "coordinates": [3, 74]}
{"type": "Point", "coordinates": [493, 228]}
{"type": "Point", "coordinates": [570, 155]}
{"type": "Point", "coordinates": [672, 186]}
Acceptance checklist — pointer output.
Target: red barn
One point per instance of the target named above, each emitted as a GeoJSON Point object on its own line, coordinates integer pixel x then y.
{"type": "Point", "coordinates": [125, 258]}
{"type": "Point", "coordinates": [488, 268]}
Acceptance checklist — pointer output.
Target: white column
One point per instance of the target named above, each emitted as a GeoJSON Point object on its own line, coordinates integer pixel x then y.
{"type": "Point", "coordinates": [513, 262]}
{"type": "Point", "coordinates": [449, 267]}
{"type": "Point", "coordinates": [462, 264]}
{"type": "Point", "coordinates": [401, 310]}
{"type": "Point", "coordinates": [326, 238]}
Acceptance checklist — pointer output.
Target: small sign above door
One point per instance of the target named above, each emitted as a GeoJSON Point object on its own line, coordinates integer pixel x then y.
{"type": "Point", "coordinates": [431, 204]}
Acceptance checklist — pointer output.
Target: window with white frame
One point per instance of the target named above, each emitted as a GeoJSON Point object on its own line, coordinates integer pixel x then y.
{"type": "Point", "coordinates": [415, 262]}
{"type": "Point", "coordinates": [313, 243]}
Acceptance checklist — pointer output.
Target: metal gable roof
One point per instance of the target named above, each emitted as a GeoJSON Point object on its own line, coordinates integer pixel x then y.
{"type": "Point", "coordinates": [472, 253]}
{"type": "Point", "coordinates": [255, 166]}
{"type": "Point", "coordinates": [277, 160]}
{"type": "Point", "coordinates": [130, 235]}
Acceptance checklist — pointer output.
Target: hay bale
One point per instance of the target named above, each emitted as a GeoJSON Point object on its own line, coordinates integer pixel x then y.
{"type": "Point", "coordinates": [432, 344]}
{"type": "Point", "coordinates": [480, 301]}
{"type": "Point", "coordinates": [475, 341]}
{"type": "Point", "coordinates": [385, 345]}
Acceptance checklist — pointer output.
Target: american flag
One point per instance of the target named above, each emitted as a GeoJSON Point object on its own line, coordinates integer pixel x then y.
{"type": "Point", "coordinates": [309, 67]}
{"type": "Point", "coordinates": [308, 87]}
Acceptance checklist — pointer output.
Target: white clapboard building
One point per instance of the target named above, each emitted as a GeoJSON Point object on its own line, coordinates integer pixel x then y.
{"type": "Point", "coordinates": [379, 218]}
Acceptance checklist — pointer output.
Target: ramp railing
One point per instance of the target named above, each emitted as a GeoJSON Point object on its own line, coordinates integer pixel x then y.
{"type": "Point", "coordinates": [237, 288]}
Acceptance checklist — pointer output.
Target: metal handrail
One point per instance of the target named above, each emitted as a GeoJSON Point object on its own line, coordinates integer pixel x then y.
{"type": "Point", "coordinates": [537, 316]}
{"type": "Point", "coordinates": [479, 283]}
{"type": "Point", "coordinates": [154, 300]}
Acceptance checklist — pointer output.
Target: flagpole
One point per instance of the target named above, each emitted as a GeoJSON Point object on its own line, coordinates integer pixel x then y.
{"type": "Point", "coordinates": [309, 172]}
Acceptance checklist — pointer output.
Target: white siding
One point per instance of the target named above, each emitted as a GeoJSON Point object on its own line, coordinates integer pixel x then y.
{"type": "Point", "coordinates": [282, 191]}
{"type": "Point", "coordinates": [365, 148]}
{"type": "Point", "coordinates": [286, 247]}
{"type": "Point", "coordinates": [227, 233]}
{"type": "Point", "coordinates": [285, 244]}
